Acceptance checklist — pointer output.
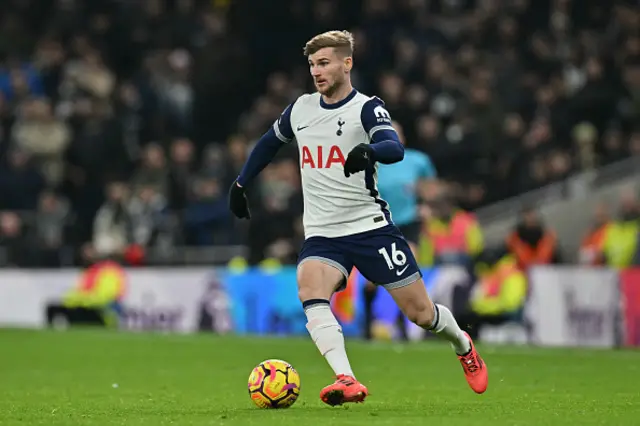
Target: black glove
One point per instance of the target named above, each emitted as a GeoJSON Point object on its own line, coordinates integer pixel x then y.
{"type": "Point", "coordinates": [238, 201]}
{"type": "Point", "coordinates": [358, 159]}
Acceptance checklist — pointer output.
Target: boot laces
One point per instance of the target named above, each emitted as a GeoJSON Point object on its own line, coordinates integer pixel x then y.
{"type": "Point", "coordinates": [345, 380]}
{"type": "Point", "coordinates": [470, 363]}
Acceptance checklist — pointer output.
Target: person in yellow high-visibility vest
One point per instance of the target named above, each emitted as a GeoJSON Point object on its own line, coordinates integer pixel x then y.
{"type": "Point", "coordinates": [621, 236]}
{"type": "Point", "coordinates": [102, 286]}
{"type": "Point", "coordinates": [499, 293]}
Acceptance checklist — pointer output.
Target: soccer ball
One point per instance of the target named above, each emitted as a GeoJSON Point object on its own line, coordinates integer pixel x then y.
{"type": "Point", "coordinates": [274, 384]}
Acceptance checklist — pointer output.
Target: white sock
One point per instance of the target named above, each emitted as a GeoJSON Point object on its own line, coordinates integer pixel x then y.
{"type": "Point", "coordinates": [445, 326]}
{"type": "Point", "coordinates": [326, 333]}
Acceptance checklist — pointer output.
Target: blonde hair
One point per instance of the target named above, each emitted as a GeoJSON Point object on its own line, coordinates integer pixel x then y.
{"type": "Point", "coordinates": [342, 41]}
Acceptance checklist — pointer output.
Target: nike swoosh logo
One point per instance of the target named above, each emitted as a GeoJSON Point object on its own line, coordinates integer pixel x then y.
{"type": "Point", "coordinates": [302, 127]}
{"type": "Point", "coordinates": [401, 271]}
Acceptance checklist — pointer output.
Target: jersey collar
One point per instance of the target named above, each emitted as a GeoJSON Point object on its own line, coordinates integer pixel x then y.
{"type": "Point", "coordinates": [325, 105]}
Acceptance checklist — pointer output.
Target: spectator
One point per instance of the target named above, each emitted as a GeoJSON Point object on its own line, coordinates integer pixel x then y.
{"type": "Point", "coordinates": [20, 182]}
{"type": "Point", "coordinates": [89, 75]}
{"type": "Point", "coordinates": [112, 225]}
{"type": "Point", "coordinates": [149, 217]}
{"type": "Point", "coordinates": [453, 235]}
{"type": "Point", "coordinates": [18, 82]}
{"type": "Point", "coordinates": [532, 243]}
{"type": "Point", "coordinates": [172, 81]}
{"type": "Point", "coordinates": [153, 170]}
{"type": "Point", "coordinates": [14, 241]}
{"type": "Point", "coordinates": [43, 137]}
{"type": "Point", "coordinates": [215, 163]}
{"type": "Point", "coordinates": [499, 294]}
{"type": "Point", "coordinates": [181, 170]}
{"type": "Point", "coordinates": [52, 221]}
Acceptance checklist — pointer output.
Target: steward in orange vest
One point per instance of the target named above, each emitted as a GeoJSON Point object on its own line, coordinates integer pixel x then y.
{"type": "Point", "coordinates": [531, 243]}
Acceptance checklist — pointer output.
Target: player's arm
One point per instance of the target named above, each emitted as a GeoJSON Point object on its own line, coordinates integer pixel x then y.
{"type": "Point", "coordinates": [385, 142]}
{"type": "Point", "coordinates": [267, 147]}
{"type": "Point", "coordinates": [384, 147]}
{"type": "Point", "coordinates": [262, 154]}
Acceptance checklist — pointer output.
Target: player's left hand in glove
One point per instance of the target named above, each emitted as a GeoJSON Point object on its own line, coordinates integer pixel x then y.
{"type": "Point", "coordinates": [358, 159]}
{"type": "Point", "coordinates": [238, 203]}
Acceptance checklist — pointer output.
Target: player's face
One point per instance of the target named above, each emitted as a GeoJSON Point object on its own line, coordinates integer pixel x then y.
{"type": "Point", "coordinates": [329, 70]}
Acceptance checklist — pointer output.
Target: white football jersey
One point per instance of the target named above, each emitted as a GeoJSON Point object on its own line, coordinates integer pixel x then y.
{"type": "Point", "coordinates": [335, 205]}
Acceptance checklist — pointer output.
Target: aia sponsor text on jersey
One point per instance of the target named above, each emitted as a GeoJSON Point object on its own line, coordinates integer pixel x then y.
{"type": "Point", "coordinates": [322, 157]}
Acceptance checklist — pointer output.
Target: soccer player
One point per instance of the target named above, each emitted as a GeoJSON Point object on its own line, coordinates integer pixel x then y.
{"type": "Point", "coordinates": [342, 135]}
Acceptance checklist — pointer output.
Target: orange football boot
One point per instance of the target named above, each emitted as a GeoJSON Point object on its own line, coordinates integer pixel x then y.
{"type": "Point", "coordinates": [345, 389]}
{"type": "Point", "coordinates": [475, 370]}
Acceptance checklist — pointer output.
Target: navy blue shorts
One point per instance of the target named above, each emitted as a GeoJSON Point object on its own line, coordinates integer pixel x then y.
{"type": "Point", "coordinates": [382, 256]}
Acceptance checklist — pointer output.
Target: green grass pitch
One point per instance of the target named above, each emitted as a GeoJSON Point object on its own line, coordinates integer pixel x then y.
{"type": "Point", "coordinates": [101, 378]}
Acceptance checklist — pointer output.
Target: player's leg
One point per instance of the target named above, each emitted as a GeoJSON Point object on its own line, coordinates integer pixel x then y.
{"type": "Point", "coordinates": [321, 271]}
{"type": "Point", "coordinates": [415, 303]}
{"type": "Point", "coordinates": [395, 268]}
{"type": "Point", "coordinates": [317, 281]}
{"type": "Point", "coordinates": [411, 233]}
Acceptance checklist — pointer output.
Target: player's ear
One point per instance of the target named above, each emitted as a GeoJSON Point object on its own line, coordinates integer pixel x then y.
{"type": "Point", "coordinates": [348, 63]}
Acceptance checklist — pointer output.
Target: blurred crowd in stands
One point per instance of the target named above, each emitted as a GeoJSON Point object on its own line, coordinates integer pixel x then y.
{"type": "Point", "coordinates": [122, 123]}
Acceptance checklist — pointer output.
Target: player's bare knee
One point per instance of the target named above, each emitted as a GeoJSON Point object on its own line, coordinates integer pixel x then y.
{"type": "Point", "coordinates": [317, 280]}
{"type": "Point", "coordinates": [309, 285]}
{"type": "Point", "coordinates": [308, 292]}
{"type": "Point", "coordinates": [421, 313]}
{"type": "Point", "coordinates": [415, 303]}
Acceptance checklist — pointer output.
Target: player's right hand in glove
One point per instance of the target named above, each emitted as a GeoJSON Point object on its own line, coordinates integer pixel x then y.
{"type": "Point", "coordinates": [238, 203]}
{"type": "Point", "coordinates": [358, 159]}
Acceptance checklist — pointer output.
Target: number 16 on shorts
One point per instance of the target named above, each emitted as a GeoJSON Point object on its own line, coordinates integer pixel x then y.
{"type": "Point", "coordinates": [396, 258]}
